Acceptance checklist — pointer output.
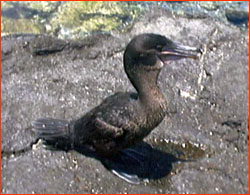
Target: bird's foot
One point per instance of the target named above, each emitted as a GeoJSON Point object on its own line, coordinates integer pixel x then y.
{"type": "Point", "coordinates": [125, 165]}
{"type": "Point", "coordinates": [134, 155]}
{"type": "Point", "coordinates": [133, 179]}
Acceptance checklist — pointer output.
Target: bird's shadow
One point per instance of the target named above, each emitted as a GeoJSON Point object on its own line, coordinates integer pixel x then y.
{"type": "Point", "coordinates": [143, 161]}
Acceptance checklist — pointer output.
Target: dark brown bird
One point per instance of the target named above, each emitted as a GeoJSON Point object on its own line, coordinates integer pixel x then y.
{"type": "Point", "coordinates": [122, 119]}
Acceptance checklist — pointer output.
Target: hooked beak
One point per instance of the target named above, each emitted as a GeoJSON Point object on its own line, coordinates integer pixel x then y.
{"type": "Point", "coordinates": [177, 51]}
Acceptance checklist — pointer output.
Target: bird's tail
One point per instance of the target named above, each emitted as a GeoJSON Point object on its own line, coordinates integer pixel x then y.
{"type": "Point", "coordinates": [58, 133]}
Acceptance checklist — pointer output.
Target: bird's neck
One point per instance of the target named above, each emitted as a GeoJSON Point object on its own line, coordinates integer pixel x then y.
{"type": "Point", "coordinates": [151, 97]}
{"type": "Point", "coordinates": [152, 101]}
{"type": "Point", "coordinates": [148, 90]}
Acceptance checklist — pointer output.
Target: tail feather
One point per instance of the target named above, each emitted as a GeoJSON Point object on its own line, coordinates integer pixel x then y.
{"type": "Point", "coordinates": [54, 132]}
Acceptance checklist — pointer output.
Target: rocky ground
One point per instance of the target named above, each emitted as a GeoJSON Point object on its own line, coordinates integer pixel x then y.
{"type": "Point", "coordinates": [201, 147]}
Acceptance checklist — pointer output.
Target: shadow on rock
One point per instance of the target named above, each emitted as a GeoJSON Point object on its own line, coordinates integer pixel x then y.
{"type": "Point", "coordinates": [141, 161]}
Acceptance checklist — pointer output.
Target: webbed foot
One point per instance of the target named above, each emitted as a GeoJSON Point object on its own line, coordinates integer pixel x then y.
{"type": "Point", "coordinates": [126, 164]}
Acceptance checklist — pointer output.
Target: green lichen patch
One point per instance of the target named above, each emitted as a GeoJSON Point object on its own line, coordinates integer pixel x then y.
{"type": "Point", "coordinates": [9, 26]}
{"type": "Point", "coordinates": [76, 18]}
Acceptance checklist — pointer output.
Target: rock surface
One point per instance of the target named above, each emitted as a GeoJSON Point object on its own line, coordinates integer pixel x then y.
{"type": "Point", "coordinates": [208, 110]}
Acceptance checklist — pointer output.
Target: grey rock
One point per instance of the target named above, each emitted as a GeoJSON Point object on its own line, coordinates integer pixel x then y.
{"type": "Point", "coordinates": [240, 15]}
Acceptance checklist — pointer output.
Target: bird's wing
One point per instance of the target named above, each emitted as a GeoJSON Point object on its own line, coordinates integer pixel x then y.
{"type": "Point", "coordinates": [106, 129]}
